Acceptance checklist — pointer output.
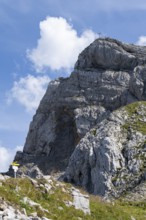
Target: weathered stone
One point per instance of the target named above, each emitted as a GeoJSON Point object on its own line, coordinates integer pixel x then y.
{"type": "Point", "coordinates": [30, 202]}
{"type": "Point", "coordinates": [111, 158]}
{"type": "Point", "coordinates": [137, 194]}
{"type": "Point", "coordinates": [81, 201]}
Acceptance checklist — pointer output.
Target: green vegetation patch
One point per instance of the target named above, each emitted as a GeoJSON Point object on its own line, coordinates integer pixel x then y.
{"type": "Point", "coordinates": [133, 108]}
{"type": "Point", "coordinates": [53, 201]}
{"type": "Point", "coordinates": [116, 210]}
{"type": "Point", "coordinates": [14, 190]}
{"type": "Point", "coordinates": [137, 113]}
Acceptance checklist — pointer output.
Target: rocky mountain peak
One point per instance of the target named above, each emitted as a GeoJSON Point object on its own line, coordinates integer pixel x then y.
{"type": "Point", "coordinates": [111, 54]}
{"type": "Point", "coordinates": [80, 127]}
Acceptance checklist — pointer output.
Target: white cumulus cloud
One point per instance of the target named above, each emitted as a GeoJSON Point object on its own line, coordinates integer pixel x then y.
{"type": "Point", "coordinates": [28, 91]}
{"type": "Point", "coordinates": [59, 45]}
{"type": "Point", "coordinates": [141, 41]}
{"type": "Point", "coordinates": [7, 156]}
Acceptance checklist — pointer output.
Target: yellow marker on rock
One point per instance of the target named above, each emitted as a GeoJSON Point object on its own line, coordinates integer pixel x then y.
{"type": "Point", "coordinates": [15, 164]}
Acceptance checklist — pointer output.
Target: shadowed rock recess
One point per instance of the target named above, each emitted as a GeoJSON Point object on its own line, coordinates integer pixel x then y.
{"type": "Point", "coordinates": [92, 125]}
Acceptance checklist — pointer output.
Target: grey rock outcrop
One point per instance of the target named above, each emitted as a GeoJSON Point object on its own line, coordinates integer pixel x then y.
{"type": "Point", "coordinates": [81, 201]}
{"type": "Point", "coordinates": [111, 54]}
{"type": "Point", "coordinates": [138, 194]}
{"type": "Point", "coordinates": [7, 212]}
{"type": "Point", "coordinates": [111, 158]}
{"type": "Point", "coordinates": [108, 74]}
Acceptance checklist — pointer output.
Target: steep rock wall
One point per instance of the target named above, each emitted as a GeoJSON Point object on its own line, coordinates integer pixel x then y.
{"type": "Point", "coordinates": [111, 158]}
{"type": "Point", "coordinates": [108, 74]}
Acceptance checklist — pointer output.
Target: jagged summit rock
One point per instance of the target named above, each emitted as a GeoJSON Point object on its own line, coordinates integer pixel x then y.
{"type": "Point", "coordinates": [111, 54]}
{"type": "Point", "coordinates": [108, 74]}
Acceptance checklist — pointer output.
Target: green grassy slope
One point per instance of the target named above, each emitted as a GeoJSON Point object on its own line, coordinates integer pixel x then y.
{"type": "Point", "coordinates": [53, 202]}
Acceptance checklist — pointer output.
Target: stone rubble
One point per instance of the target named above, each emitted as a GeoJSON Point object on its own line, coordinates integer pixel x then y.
{"type": "Point", "coordinates": [7, 212]}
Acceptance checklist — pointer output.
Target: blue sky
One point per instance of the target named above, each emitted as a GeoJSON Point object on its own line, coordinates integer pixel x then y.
{"type": "Point", "coordinates": [40, 40]}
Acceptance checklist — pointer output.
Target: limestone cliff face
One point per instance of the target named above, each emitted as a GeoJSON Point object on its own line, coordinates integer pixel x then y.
{"type": "Point", "coordinates": [108, 74]}
{"type": "Point", "coordinates": [111, 158]}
